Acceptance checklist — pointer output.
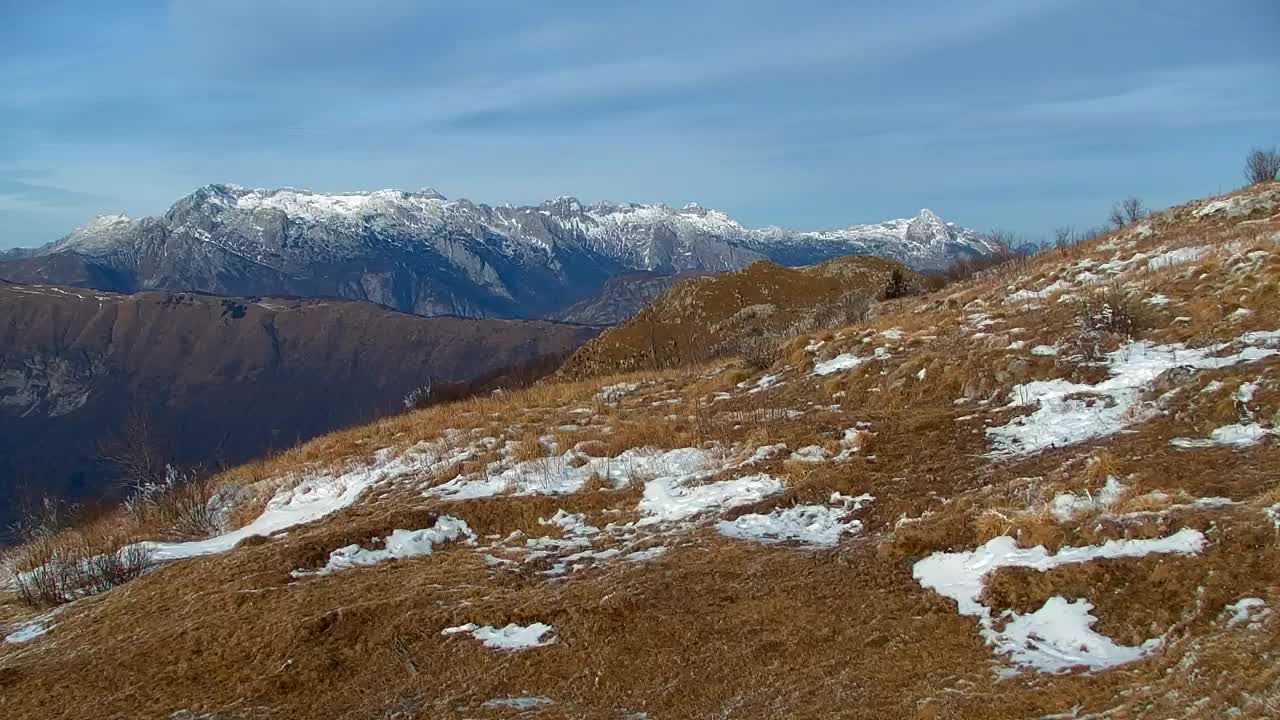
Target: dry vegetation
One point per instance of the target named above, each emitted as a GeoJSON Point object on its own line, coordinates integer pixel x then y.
{"type": "Point", "coordinates": [721, 627]}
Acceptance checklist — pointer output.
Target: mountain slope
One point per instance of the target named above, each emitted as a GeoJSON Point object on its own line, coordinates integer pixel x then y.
{"type": "Point", "coordinates": [753, 310]}
{"type": "Point", "coordinates": [225, 378]}
{"type": "Point", "coordinates": [621, 297]}
{"type": "Point", "coordinates": [1046, 492]}
{"type": "Point", "coordinates": [420, 253]}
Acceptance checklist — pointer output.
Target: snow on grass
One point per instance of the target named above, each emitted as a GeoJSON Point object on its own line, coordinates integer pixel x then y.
{"type": "Point", "coordinates": [565, 474]}
{"type": "Point", "coordinates": [1177, 257]}
{"type": "Point", "coordinates": [1066, 412]}
{"type": "Point", "coordinates": [671, 499]}
{"type": "Point", "coordinates": [1059, 635]}
{"type": "Point", "coordinates": [317, 497]}
{"type": "Point", "coordinates": [614, 393]}
{"type": "Point", "coordinates": [511, 637]}
{"type": "Point", "coordinates": [809, 454]}
{"type": "Point", "coordinates": [1239, 435]}
{"type": "Point", "coordinates": [398, 545]}
{"type": "Point", "coordinates": [28, 632]}
{"type": "Point", "coordinates": [1044, 350]}
{"type": "Point", "coordinates": [818, 525]}
{"type": "Point", "coordinates": [1250, 610]}
{"type": "Point", "coordinates": [851, 442]}
{"type": "Point", "coordinates": [1157, 299]}
{"type": "Point", "coordinates": [1273, 514]}
{"type": "Point", "coordinates": [1066, 506]}
{"type": "Point", "coordinates": [1245, 392]}
{"type": "Point", "coordinates": [517, 703]}
{"type": "Point", "coordinates": [839, 363]}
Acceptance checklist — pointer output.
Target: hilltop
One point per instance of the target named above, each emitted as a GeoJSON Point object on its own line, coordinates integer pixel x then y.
{"type": "Point", "coordinates": [749, 311]}
{"type": "Point", "coordinates": [1046, 491]}
{"type": "Point", "coordinates": [421, 253]}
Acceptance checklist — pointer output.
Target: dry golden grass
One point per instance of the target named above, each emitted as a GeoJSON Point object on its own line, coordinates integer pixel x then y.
{"type": "Point", "coordinates": [723, 628]}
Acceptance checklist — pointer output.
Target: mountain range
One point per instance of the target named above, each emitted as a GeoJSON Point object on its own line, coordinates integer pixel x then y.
{"type": "Point", "coordinates": [421, 253]}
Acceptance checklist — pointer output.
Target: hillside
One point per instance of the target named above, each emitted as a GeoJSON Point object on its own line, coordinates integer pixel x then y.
{"type": "Point", "coordinates": [222, 379]}
{"type": "Point", "coordinates": [752, 310]}
{"type": "Point", "coordinates": [1046, 492]}
{"type": "Point", "coordinates": [620, 298]}
{"type": "Point", "coordinates": [420, 253]}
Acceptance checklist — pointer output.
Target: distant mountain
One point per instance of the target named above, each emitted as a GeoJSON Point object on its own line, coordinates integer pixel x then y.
{"type": "Point", "coordinates": [224, 379]}
{"type": "Point", "coordinates": [418, 252]}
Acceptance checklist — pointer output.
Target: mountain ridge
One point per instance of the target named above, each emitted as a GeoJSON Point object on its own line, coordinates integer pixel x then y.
{"type": "Point", "coordinates": [419, 252]}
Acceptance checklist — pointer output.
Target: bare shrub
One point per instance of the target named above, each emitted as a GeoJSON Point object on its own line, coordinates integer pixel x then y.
{"type": "Point", "coordinates": [1262, 165]}
{"type": "Point", "coordinates": [1126, 212]}
{"type": "Point", "coordinates": [134, 452]}
{"type": "Point", "coordinates": [1064, 236]}
{"type": "Point", "coordinates": [58, 569]}
{"type": "Point", "coordinates": [1104, 318]}
{"type": "Point", "coordinates": [761, 352]}
{"type": "Point", "coordinates": [183, 503]}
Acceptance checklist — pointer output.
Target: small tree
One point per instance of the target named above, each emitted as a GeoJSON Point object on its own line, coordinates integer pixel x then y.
{"type": "Point", "coordinates": [134, 452]}
{"type": "Point", "coordinates": [1127, 212]}
{"type": "Point", "coordinates": [1064, 235]}
{"type": "Point", "coordinates": [1133, 210]}
{"type": "Point", "coordinates": [1262, 165]}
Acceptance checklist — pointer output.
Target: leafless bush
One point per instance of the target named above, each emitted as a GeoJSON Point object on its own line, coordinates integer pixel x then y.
{"type": "Point", "coordinates": [184, 504]}
{"type": "Point", "coordinates": [57, 569]}
{"type": "Point", "coordinates": [133, 452]}
{"type": "Point", "coordinates": [1104, 318]}
{"type": "Point", "coordinates": [761, 352]}
{"type": "Point", "coordinates": [850, 308]}
{"type": "Point", "coordinates": [1262, 165]}
{"type": "Point", "coordinates": [1126, 212]}
{"type": "Point", "coordinates": [1064, 236]}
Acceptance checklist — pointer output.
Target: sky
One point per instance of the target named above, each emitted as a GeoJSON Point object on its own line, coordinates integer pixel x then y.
{"type": "Point", "coordinates": [808, 114]}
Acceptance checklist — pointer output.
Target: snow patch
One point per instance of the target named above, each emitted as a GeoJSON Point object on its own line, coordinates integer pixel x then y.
{"type": "Point", "coordinates": [511, 637]}
{"type": "Point", "coordinates": [837, 364]}
{"type": "Point", "coordinates": [1239, 435]}
{"type": "Point", "coordinates": [817, 525]}
{"type": "Point", "coordinates": [670, 499]}
{"type": "Point", "coordinates": [1059, 635]}
{"type": "Point", "coordinates": [400, 544]}
{"type": "Point", "coordinates": [1066, 412]}
{"type": "Point", "coordinates": [1249, 610]}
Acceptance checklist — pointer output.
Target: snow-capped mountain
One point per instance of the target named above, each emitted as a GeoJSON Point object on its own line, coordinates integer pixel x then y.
{"type": "Point", "coordinates": [420, 252]}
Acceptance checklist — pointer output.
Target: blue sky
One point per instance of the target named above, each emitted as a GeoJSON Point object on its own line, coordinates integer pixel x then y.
{"type": "Point", "coordinates": [807, 114]}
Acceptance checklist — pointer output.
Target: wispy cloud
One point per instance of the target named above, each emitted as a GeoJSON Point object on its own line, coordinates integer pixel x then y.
{"type": "Point", "coordinates": [809, 113]}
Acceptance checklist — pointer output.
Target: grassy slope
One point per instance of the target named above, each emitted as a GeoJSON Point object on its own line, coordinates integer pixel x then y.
{"type": "Point", "coordinates": [726, 628]}
{"type": "Point", "coordinates": [690, 320]}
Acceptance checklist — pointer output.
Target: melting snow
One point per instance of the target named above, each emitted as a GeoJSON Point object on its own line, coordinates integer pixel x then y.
{"type": "Point", "coordinates": [562, 475]}
{"type": "Point", "coordinates": [838, 363]}
{"type": "Point", "coordinates": [1067, 412]}
{"type": "Point", "coordinates": [820, 525]}
{"type": "Point", "coordinates": [1177, 257]}
{"type": "Point", "coordinates": [28, 632]}
{"type": "Point", "coordinates": [398, 545]}
{"type": "Point", "coordinates": [314, 498]}
{"type": "Point", "coordinates": [1238, 435]}
{"type": "Point", "coordinates": [511, 637]}
{"type": "Point", "coordinates": [1247, 610]}
{"type": "Point", "coordinates": [517, 703]}
{"type": "Point", "coordinates": [614, 393]}
{"type": "Point", "coordinates": [669, 499]}
{"type": "Point", "coordinates": [809, 454]}
{"type": "Point", "coordinates": [1065, 506]}
{"type": "Point", "coordinates": [1059, 635]}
